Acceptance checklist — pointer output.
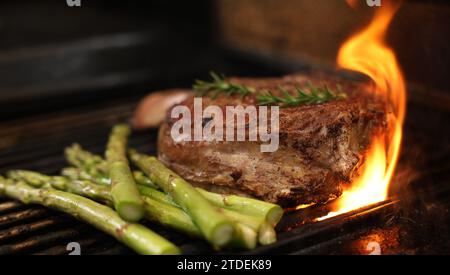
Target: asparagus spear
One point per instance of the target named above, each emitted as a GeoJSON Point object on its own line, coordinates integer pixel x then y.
{"type": "Point", "coordinates": [94, 168]}
{"type": "Point", "coordinates": [92, 164]}
{"type": "Point", "coordinates": [32, 178]}
{"type": "Point", "coordinates": [239, 208]}
{"type": "Point", "coordinates": [259, 209]}
{"type": "Point", "coordinates": [266, 233]}
{"type": "Point", "coordinates": [79, 187]}
{"type": "Point", "coordinates": [136, 236]}
{"type": "Point", "coordinates": [142, 179]}
{"type": "Point", "coordinates": [244, 236]}
{"type": "Point", "coordinates": [124, 192]}
{"type": "Point", "coordinates": [170, 216]}
{"type": "Point", "coordinates": [162, 209]}
{"type": "Point", "coordinates": [79, 174]}
{"type": "Point", "coordinates": [271, 212]}
{"type": "Point", "coordinates": [215, 226]}
{"type": "Point", "coordinates": [156, 195]}
{"type": "Point", "coordinates": [166, 214]}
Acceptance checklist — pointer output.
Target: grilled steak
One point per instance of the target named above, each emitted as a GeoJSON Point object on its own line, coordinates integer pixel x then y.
{"type": "Point", "coordinates": [321, 146]}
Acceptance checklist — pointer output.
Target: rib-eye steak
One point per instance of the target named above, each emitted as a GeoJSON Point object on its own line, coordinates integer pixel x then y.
{"type": "Point", "coordinates": [320, 150]}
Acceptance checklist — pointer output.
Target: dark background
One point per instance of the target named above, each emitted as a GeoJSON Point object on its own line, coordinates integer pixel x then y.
{"type": "Point", "coordinates": [53, 56]}
{"type": "Point", "coordinates": [103, 49]}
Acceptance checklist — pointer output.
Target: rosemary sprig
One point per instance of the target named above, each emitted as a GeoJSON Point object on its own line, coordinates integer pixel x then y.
{"type": "Point", "coordinates": [220, 85]}
{"type": "Point", "coordinates": [316, 95]}
{"type": "Point", "coordinates": [313, 94]}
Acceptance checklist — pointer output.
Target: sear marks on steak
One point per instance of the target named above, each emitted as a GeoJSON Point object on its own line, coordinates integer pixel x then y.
{"type": "Point", "coordinates": [321, 146]}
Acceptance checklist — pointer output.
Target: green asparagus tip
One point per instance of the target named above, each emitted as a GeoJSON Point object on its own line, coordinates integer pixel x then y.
{"type": "Point", "coordinates": [32, 178]}
{"type": "Point", "coordinates": [122, 128]}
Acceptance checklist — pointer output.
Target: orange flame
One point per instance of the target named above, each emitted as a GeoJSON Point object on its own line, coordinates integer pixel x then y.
{"type": "Point", "coordinates": [366, 52]}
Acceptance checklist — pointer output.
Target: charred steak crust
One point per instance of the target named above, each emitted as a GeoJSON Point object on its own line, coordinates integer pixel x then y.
{"type": "Point", "coordinates": [321, 146]}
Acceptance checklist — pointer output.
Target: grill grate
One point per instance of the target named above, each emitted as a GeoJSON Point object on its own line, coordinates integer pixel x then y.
{"type": "Point", "coordinates": [37, 143]}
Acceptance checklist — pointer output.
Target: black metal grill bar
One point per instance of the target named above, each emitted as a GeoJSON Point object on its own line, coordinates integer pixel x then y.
{"type": "Point", "coordinates": [48, 149]}
{"type": "Point", "coordinates": [311, 234]}
{"type": "Point", "coordinates": [58, 121]}
{"type": "Point", "coordinates": [12, 219]}
{"type": "Point", "coordinates": [114, 250]}
{"type": "Point", "coordinates": [90, 242]}
{"type": "Point", "coordinates": [63, 250]}
{"type": "Point", "coordinates": [56, 136]}
{"type": "Point", "coordinates": [44, 240]}
{"type": "Point", "coordinates": [52, 142]}
{"type": "Point", "coordinates": [25, 229]}
{"type": "Point", "coordinates": [10, 206]}
{"type": "Point", "coordinates": [328, 246]}
{"type": "Point", "coordinates": [54, 231]}
{"type": "Point", "coordinates": [51, 161]}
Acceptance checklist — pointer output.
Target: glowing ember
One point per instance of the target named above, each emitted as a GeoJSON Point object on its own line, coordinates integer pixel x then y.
{"type": "Point", "coordinates": [366, 52]}
{"type": "Point", "coordinates": [352, 3]}
{"type": "Point", "coordinates": [303, 206]}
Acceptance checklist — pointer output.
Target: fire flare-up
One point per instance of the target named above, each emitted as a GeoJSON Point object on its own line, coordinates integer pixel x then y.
{"type": "Point", "coordinates": [366, 52]}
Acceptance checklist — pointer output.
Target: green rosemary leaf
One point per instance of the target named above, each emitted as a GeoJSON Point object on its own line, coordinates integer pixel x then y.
{"type": "Point", "coordinates": [312, 95]}
{"type": "Point", "coordinates": [221, 85]}
{"type": "Point", "coordinates": [316, 95]}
